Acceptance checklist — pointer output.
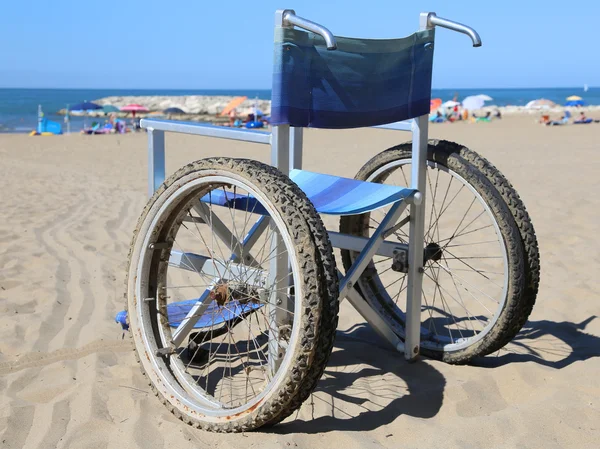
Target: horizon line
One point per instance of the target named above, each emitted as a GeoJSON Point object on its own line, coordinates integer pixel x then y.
{"type": "Point", "coordinates": [263, 88]}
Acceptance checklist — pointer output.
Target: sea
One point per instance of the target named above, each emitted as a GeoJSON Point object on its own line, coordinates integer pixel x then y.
{"type": "Point", "coordinates": [18, 107]}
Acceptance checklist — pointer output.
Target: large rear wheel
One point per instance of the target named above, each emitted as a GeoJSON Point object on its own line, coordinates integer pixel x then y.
{"type": "Point", "coordinates": [479, 271]}
{"type": "Point", "coordinates": [232, 300]}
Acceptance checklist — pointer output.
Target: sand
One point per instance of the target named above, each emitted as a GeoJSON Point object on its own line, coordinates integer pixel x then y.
{"type": "Point", "coordinates": [68, 379]}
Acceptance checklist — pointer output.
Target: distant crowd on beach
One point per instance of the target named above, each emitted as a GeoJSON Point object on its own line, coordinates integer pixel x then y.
{"type": "Point", "coordinates": [112, 125]}
{"type": "Point", "coordinates": [458, 114]}
{"type": "Point", "coordinates": [468, 110]}
{"type": "Point", "coordinates": [474, 110]}
{"type": "Point", "coordinates": [565, 119]}
{"type": "Point", "coordinates": [251, 120]}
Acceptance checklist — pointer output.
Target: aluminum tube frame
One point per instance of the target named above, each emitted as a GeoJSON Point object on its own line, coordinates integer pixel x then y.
{"type": "Point", "coordinates": [204, 301]}
{"type": "Point", "coordinates": [223, 232]}
{"type": "Point", "coordinates": [289, 18]}
{"type": "Point", "coordinates": [199, 263]}
{"type": "Point", "coordinates": [156, 142]}
{"type": "Point", "coordinates": [370, 248]}
{"type": "Point", "coordinates": [296, 143]}
{"type": "Point", "coordinates": [416, 240]}
{"type": "Point", "coordinates": [356, 243]}
{"type": "Point", "coordinates": [430, 20]}
{"type": "Point", "coordinates": [282, 137]}
{"type": "Point", "coordinates": [215, 268]}
{"type": "Point", "coordinates": [192, 317]}
{"type": "Point", "coordinates": [406, 125]}
{"type": "Point", "coordinates": [280, 148]}
{"type": "Point", "coordinates": [373, 317]}
{"type": "Point", "coordinates": [253, 235]}
{"type": "Point", "coordinates": [156, 160]}
{"type": "Point", "coordinates": [198, 129]}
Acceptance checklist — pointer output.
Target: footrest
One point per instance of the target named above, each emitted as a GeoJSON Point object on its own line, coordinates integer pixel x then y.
{"type": "Point", "coordinates": [332, 195]}
{"type": "Point", "coordinates": [213, 316]}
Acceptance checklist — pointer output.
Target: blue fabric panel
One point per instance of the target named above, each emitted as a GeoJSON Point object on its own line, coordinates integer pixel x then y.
{"type": "Point", "coordinates": [214, 314]}
{"type": "Point", "coordinates": [365, 82]}
{"type": "Point", "coordinates": [237, 201]}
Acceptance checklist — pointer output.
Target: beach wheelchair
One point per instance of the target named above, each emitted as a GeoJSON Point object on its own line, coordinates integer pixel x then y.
{"type": "Point", "coordinates": [232, 285]}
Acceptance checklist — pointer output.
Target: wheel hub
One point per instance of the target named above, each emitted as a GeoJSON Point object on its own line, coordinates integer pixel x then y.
{"type": "Point", "coordinates": [220, 293]}
{"type": "Point", "coordinates": [433, 251]}
{"type": "Point", "coordinates": [225, 292]}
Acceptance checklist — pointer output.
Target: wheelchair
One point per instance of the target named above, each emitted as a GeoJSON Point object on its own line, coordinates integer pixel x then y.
{"type": "Point", "coordinates": [232, 285]}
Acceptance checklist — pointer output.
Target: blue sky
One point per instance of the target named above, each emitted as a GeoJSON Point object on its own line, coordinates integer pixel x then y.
{"type": "Point", "coordinates": [212, 44]}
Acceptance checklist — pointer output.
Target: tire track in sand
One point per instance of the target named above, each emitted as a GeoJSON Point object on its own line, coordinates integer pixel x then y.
{"type": "Point", "coordinates": [33, 360]}
{"type": "Point", "coordinates": [20, 419]}
{"type": "Point", "coordinates": [52, 324]}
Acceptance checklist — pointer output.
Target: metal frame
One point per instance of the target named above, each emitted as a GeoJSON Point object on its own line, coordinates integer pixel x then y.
{"type": "Point", "coordinates": [286, 154]}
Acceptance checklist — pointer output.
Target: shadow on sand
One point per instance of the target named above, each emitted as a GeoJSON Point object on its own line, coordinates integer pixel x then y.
{"type": "Point", "coordinates": [417, 389]}
{"type": "Point", "coordinates": [400, 388]}
{"type": "Point", "coordinates": [548, 343]}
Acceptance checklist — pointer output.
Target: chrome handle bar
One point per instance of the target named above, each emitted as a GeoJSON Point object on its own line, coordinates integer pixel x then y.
{"type": "Point", "coordinates": [290, 18]}
{"type": "Point", "coordinates": [430, 20]}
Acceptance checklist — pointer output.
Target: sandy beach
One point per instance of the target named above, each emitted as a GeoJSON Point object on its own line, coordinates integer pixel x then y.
{"type": "Point", "coordinates": [68, 378]}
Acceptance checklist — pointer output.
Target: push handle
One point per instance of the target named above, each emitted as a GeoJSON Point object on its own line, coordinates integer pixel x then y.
{"type": "Point", "coordinates": [430, 20]}
{"type": "Point", "coordinates": [289, 17]}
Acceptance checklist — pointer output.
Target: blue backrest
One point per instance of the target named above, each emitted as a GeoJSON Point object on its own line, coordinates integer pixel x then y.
{"type": "Point", "coordinates": [365, 82]}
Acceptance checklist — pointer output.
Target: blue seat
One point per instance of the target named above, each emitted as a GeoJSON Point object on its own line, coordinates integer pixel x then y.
{"type": "Point", "coordinates": [332, 195]}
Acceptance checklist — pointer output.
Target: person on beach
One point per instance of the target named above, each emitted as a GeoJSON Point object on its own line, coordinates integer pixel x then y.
{"type": "Point", "coordinates": [232, 117]}
{"type": "Point", "coordinates": [486, 118]}
{"type": "Point", "coordinates": [583, 119]}
{"type": "Point", "coordinates": [456, 113]}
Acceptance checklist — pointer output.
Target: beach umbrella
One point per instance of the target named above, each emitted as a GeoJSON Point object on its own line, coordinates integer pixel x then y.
{"type": "Point", "coordinates": [473, 103]}
{"type": "Point", "coordinates": [133, 108]}
{"type": "Point", "coordinates": [174, 111]}
{"type": "Point", "coordinates": [541, 103]}
{"type": "Point", "coordinates": [434, 104]}
{"type": "Point", "coordinates": [575, 103]}
{"type": "Point", "coordinates": [108, 108]}
{"type": "Point", "coordinates": [484, 97]}
{"type": "Point", "coordinates": [574, 98]}
{"type": "Point", "coordinates": [450, 104]}
{"type": "Point", "coordinates": [85, 106]}
{"type": "Point", "coordinates": [232, 105]}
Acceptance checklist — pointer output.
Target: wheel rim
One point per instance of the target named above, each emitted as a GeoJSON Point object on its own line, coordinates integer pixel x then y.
{"type": "Point", "coordinates": [229, 368]}
{"type": "Point", "coordinates": [453, 283]}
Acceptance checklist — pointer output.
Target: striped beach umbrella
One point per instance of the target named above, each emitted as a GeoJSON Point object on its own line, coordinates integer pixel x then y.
{"type": "Point", "coordinates": [133, 108]}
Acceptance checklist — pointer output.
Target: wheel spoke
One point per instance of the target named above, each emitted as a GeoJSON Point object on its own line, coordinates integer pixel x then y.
{"type": "Point", "coordinates": [464, 226]}
{"type": "Point", "coordinates": [217, 362]}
